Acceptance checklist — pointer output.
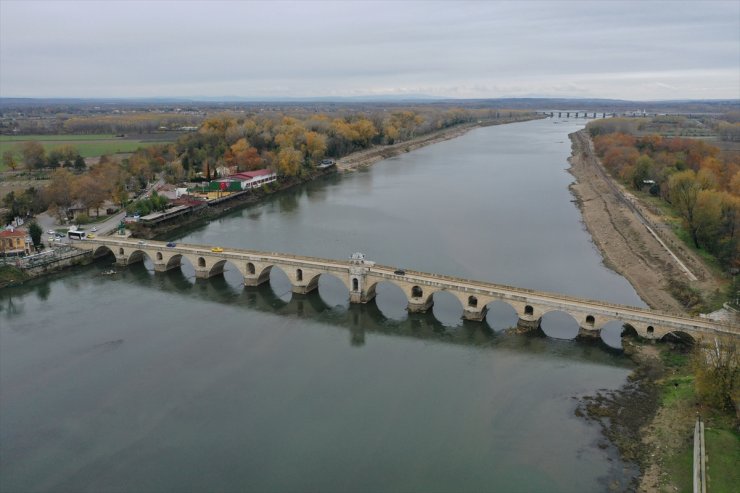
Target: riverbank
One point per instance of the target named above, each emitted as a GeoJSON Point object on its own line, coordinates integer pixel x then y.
{"type": "Point", "coordinates": [348, 163]}
{"type": "Point", "coordinates": [650, 420]}
{"type": "Point", "coordinates": [628, 246]}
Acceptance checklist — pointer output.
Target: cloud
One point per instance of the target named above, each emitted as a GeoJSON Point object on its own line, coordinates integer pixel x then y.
{"type": "Point", "coordinates": [473, 49]}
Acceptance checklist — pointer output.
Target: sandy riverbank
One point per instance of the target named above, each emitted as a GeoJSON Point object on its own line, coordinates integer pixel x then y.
{"type": "Point", "coordinates": [644, 429]}
{"type": "Point", "coordinates": [378, 153]}
{"type": "Point", "coordinates": [627, 245]}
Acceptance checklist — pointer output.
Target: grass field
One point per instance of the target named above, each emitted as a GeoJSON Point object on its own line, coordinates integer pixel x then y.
{"type": "Point", "coordinates": [723, 453]}
{"type": "Point", "coordinates": [86, 145]}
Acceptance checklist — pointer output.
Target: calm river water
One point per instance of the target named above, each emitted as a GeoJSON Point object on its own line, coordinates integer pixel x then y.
{"type": "Point", "coordinates": [155, 382]}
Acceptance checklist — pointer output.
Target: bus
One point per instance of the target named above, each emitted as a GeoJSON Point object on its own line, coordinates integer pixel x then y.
{"type": "Point", "coordinates": [76, 235]}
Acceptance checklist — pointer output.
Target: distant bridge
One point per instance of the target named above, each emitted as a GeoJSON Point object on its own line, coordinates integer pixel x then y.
{"type": "Point", "coordinates": [361, 277]}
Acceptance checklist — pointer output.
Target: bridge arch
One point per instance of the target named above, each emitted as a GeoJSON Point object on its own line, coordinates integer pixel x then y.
{"type": "Point", "coordinates": [139, 256]}
{"type": "Point", "coordinates": [220, 266]}
{"type": "Point", "coordinates": [102, 251]}
{"type": "Point", "coordinates": [679, 336]}
{"type": "Point", "coordinates": [175, 261]}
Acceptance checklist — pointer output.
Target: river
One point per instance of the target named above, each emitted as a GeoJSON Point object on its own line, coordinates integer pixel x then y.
{"type": "Point", "coordinates": [158, 382]}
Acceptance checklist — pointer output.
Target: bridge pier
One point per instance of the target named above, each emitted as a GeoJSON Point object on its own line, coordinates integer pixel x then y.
{"type": "Point", "coordinates": [475, 314]}
{"type": "Point", "coordinates": [305, 288]}
{"type": "Point", "coordinates": [528, 322]}
{"type": "Point", "coordinates": [361, 296]}
{"type": "Point", "coordinates": [419, 305]}
{"type": "Point", "coordinates": [201, 273]}
{"type": "Point", "coordinates": [588, 333]}
{"type": "Point", "coordinates": [256, 280]}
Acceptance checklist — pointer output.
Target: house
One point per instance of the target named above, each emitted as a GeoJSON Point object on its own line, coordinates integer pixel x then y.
{"type": "Point", "coordinates": [254, 179]}
{"type": "Point", "coordinates": [14, 242]}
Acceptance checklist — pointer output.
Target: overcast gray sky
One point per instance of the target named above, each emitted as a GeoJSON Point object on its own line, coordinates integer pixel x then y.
{"type": "Point", "coordinates": [487, 49]}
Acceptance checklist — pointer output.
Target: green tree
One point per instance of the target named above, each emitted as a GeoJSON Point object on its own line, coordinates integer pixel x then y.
{"type": "Point", "coordinates": [643, 171]}
{"type": "Point", "coordinates": [683, 189]}
{"type": "Point", "coordinates": [9, 160]}
{"type": "Point", "coordinates": [79, 163]}
{"type": "Point", "coordinates": [717, 371]}
{"type": "Point", "coordinates": [34, 155]}
{"type": "Point", "coordinates": [35, 231]}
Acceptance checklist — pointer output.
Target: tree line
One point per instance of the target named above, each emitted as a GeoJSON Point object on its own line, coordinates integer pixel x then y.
{"type": "Point", "coordinates": [33, 156]}
{"type": "Point", "coordinates": [699, 183]}
{"type": "Point", "coordinates": [290, 144]}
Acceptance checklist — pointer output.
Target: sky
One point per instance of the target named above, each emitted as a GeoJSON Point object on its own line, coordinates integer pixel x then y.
{"type": "Point", "coordinates": [630, 49]}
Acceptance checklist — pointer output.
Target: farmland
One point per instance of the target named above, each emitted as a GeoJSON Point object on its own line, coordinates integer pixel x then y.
{"type": "Point", "coordinates": [86, 145]}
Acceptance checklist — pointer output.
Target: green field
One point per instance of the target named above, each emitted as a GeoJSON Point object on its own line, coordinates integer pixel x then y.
{"type": "Point", "coordinates": [86, 145]}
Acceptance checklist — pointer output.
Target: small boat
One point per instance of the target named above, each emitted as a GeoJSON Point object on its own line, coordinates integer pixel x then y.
{"type": "Point", "coordinates": [109, 272]}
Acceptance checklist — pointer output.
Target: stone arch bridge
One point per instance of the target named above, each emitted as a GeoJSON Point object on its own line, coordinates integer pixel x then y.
{"type": "Point", "coordinates": [362, 276]}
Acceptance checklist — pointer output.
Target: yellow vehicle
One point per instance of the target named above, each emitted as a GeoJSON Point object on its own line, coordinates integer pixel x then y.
{"type": "Point", "coordinates": [90, 235]}
{"type": "Point", "coordinates": [217, 249]}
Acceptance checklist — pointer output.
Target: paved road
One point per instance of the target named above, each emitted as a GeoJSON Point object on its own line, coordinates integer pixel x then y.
{"type": "Point", "coordinates": [49, 223]}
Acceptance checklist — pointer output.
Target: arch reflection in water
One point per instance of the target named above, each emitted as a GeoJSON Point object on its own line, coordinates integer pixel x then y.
{"type": "Point", "coordinates": [333, 291]}
{"type": "Point", "coordinates": [559, 325]}
{"type": "Point", "coordinates": [611, 333]}
{"type": "Point", "coordinates": [447, 309]}
{"type": "Point", "coordinates": [391, 301]}
{"type": "Point", "coordinates": [280, 284]}
{"type": "Point", "coordinates": [501, 316]}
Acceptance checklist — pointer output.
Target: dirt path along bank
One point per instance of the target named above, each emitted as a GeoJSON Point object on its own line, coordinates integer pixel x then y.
{"type": "Point", "coordinates": [626, 243]}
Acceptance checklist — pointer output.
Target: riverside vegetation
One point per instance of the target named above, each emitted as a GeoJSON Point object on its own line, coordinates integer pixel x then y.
{"type": "Point", "coordinates": [651, 419]}
{"type": "Point", "coordinates": [291, 144]}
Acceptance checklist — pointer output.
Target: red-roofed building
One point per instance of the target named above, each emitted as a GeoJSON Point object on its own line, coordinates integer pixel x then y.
{"type": "Point", "coordinates": [14, 242]}
{"type": "Point", "coordinates": [253, 179]}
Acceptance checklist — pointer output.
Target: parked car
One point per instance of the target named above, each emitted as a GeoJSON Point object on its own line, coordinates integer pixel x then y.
{"type": "Point", "coordinates": [93, 229]}
{"type": "Point", "coordinates": [399, 272]}
{"type": "Point", "coordinates": [90, 235]}
{"type": "Point", "coordinates": [51, 232]}
{"type": "Point", "coordinates": [171, 244]}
